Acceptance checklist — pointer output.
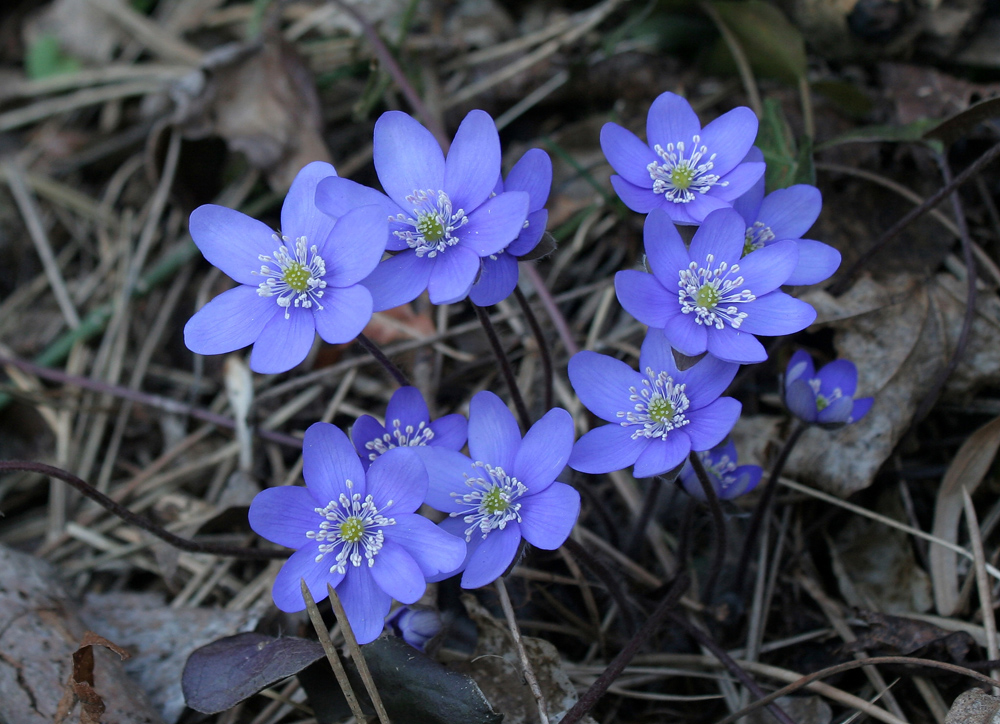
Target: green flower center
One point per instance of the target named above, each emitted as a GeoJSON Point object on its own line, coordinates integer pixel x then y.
{"type": "Point", "coordinates": [660, 409]}
{"type": "Point", "coordinates": [822, 403]}
{"type": "Point", "coordinates": [494, 501]}
{"type": "Point", "coordinates": [707, 297]}
{"type": "Point", "coordinates": [352, 530]}
{"type": "Point", "coordinates": [682, 176]}
{"type": "Point", "coordinates": [431, 227]}
{"type": "Point", "coordinates": [296, 276]}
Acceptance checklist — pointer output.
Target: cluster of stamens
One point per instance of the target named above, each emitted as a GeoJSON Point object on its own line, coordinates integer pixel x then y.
{"type": "Point", "coordinates": [757, 237]}
{"type": "Point", "coordinates": [677, 178]}
{"type": "Point", "coordinates": [722, 469]}
{"type": "Point", "coordinates": [354, 526]}
{"type": "Point", "coordinates": [822, 401]}
{"type": "Point", "coordinates": [660, 405]}
{"type": "Point", "coordinates": [492, 500]}
{"type": "Point", "coordinates": [298, 281]}
{"type": "Point", "coordinates": [434, 224]}
{"type": "Point", "coordinates": [704, 291]}
{"type": "Point", "coordinates": [400, 436]}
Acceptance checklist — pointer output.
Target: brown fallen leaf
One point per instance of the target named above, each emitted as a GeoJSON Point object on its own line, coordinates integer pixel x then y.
{"type": "Point", "coordinates": [900, 636]}
{"type": "Point", "coordinates": [80, 686]}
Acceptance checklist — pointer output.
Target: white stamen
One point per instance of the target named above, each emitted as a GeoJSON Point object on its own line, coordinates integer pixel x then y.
{"type": "Point", "coordinates": [677, 178]}
{"type": "Point", "coordinates": [353, 524]}
{"type": "Point", "coordinates": [659, 406]}
{"type": "Point", "coordinates": [757, 237]}
{"type": "Point", "coordinates": [492, 500]}
{"type": "Point", "coordinates": [704, 291]}
{"type": "Point", "coordinates": [434, 223]}
{"type": "Point", "coordinates": [298, 281]}
{"type": "Point", "coordinates": [400, 437]}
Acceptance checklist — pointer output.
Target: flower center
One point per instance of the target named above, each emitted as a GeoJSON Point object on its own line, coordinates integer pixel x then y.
{"type": "Point", "coordinates": [352, 525]}
{"type": "Point", "coordinates": [757, 237]}
{"type": "Point", "coordinates": [433, 223]}
{"type": "Point", "coordinates": [400, 436]}
{"type": "Point", "coordinates": [678, 178]}
{"type": "Point", "coordinates": [711, 294]}
{"type": "Point", "coordinates": [297, 281]}
{"type": "Point", "coordinates": [822, 401]}
{"type": "Point", "coordinates": [659, 406]}
{"type": "Point", "coordinates": [721, 469]}
{"type": "Point", "coordinates": [491, 500]}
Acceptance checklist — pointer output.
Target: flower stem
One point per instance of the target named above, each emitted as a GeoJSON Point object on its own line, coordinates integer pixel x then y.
{"type": "Point", "coordinates": [718, 523]}
{"type": "Point", "coordinates": [618, 664]}
{"type": "Point", "coordinates": [764, 503]}
{"type": "Point", "coordinates": [645, 513]}
{"type": "Point", "coordinates": [374, 350]}
{"type": "Point", "coordinates": [140, 521]}
{"type": "Point", "coordinates": [508, 372]}
{"type": "Point", "coordinates": [543, 345]}
{"type": "Point", "coordinates": [552, 309]}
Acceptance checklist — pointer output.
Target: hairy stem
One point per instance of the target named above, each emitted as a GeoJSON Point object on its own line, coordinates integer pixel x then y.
{"type": "Point", "coordinates": [543, 345]}
{"type": "Point", "coordinates": [718, 523]}
{"type": "Point", "coordinates": [505, 368]}
{"type": "Point", "coordinates": [376, 352]}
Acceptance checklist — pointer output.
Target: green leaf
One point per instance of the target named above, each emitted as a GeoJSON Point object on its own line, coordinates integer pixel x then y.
{"type": "Point", "coordinates": [951, 129]}
{"type": "Point", "coordinates": [909, 133]}
{"type": "Point", "coordinates": [773, 46]}
{"type": "Point", "coordinates": [788, 162]}
{"type": "Point", "coordinates": [44, 58]}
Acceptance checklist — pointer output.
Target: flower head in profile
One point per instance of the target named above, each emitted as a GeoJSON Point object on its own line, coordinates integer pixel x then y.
{"type": "Point", "coordinates": [533, 175]}
{"type": "Point", "coordinates": [416, 625]}
{"type": "Point", "coordinates": [443, 216]}
{"type": "Point", "coordinates": [709, 297]}
{"type": "Point", "coordinates": [657, 415]}
{"type": "Point", "coordinates": [824, 398]}
{"type": "Point", "coordinates": [506, 491]}
{"type": "Point", "coordinates": [728, 479]}
{"type": "Point", "coordinates": [293, 283]}
{"type": "Point", "coordinates": [407, 424]}
{"type": "Point", "coordinates": [354, 530]}
{"type": "Point", "coordinates": [684, 169]}
{"type": "Point", "coordinates": [787, 214]}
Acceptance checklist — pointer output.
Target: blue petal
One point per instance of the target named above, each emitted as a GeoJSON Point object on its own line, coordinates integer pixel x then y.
{"type": "Point", "coordinates": [473, 163]}
{"type": "Point", "coordinates": [739, 346]}
{"type": "Point", "coordinates": [328, 462]}
{"type": "Point", "coordinates": [447, 471]}
{"type": "Point", "coordinates": [767, 269]}
{"type": "Point", "coordinates": [229, 322]}
{"type": "Point", "coordinates": [337, 196]}
{"type": "Point", "coordinates": [450, 432]}
{"type": "Point", "coordinates": [686, 335]}
{"type": "Point", "coordinates": [434, 549]}
{"type": "Point", "coordinates": [729, 137]}
{"type": "Point", "coordinates": [645, 298]}
{"type": "Point", "coordinates": [544, 450]}
{"type": "Point", "coordinates": [665, 250]}
{"type": "Point", "coordinates": [407, 406]}
{"type": "Point", "coordinates": [496, 280]}
{"type": "Point", "coordinates": [398, 280]}
{"type": "Point", "coordinates": [232, 241]}
{"type": "Point", "coordinates": [492, 556]}
{"type": "Point", "coordinates": [656, 355]}
{"type": "Point", "coordinates": [710, 424]}
{"type": "Point", "coordinates": [722, 235]}
{"type": "Point", "coordinates": [747, 478]}
{"type": "Point", "coordinates": [801, 400]}
{"type": "Point", "coordinates": [776, 314]}
{"type": "Point", "coordinates": [452, 275]}
{"type": "Point", "coordinates": [628, 155]}
{"type": "Point", "coordinates": [345, 313]}
{"type": "Point", "coordinates": [606, 449]}
{"type": "Point", "coordinates": [299, 215]}
{"type": "Point", "coordinates": [662, 456]}
{"type": "Point", "coordinates": [738, 181]}
{"type": "Point", "coordinates": [838, 410]}
{"type": "Point", "coordinates": [456, 527]}
{"type": "Point", "coordinates": [494, 437]}
{"type": "Point", "coordinates": [366, 429]}
{"type": "Point", "coordinates": [495, 224]}
{"type": "Point", "coordinates": [529, 237]}
{"type": "Point", "coordinates": [639, 199]}
{"type": "Point", "coordinates": [397, 573]}
{"type": "Point", "coordinates": [791, 212]}
{"type": "Point", "coordinates": [532, 174]}
{"type": "Point", "coordinates": [365, 603]}
{"type": "Point", "coordinates": [817, 262]}
{"type": "Point", "coordinates": [355, 246]}
{"type": "Point", "coordinates": [283, 343]}
{"type": "Point", "coordinates": [602, 383]}
{"type": "Point", "coordinates": [841, 373]}
{"type": "Point", "coordinates": [748, 205]}
{"type": "Point", "coordinates": [407, 157]}
{"type": "Point", "coordinates": [671, 119]}
{"type": "Point", "coordinates": [800, 366]}
{"type": "Point", "coordinates": [397, 482]}
{"type": "Point", "coordinates": [283, 515]}
{"type": "Point", "coordinates": [707, 379]}
{"type": "Point", "coordinates": [548, 518]}
{"type": "Point", "coordinates": [695, 211]}
{"type": "Point", "coordinates": [861, 407]}
{"type": "Point", "coordinates": [287, 588]}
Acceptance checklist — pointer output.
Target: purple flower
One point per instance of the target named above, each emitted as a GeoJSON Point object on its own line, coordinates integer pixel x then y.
{"type": "Point", "coordinates": [709, 298]}
{"type": "Point", "coordinates": [787, 214]}
{"type": "Point", "coordinates": [824, 398]}
{"type": "Point", "coordinates": [532, 174]}
{"type": "Point", "coordinates": [308, 282]}
{"type": "Point", "coordinates": [684, 169]}
{"type": "Point", "coordinates": [356, 531]}
{"type": "Point", "coordinates": [443, 216]}
{"type": "Point", "coordinates": [728, 480]}
{"type": "Point", "coordinates": [407, 424]}
{"type": "Point", "coordinates": [506, 490]}
{"type": "Point", "coordinates": [657, 415]}
{"type": "Point", "coordinates": [415, 625]}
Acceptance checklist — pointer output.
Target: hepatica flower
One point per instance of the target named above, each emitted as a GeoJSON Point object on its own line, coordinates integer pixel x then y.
{"type": "Point", "coordinates": [787, 214]}
{"type": "Point", "coordinates": [293, 284]}
{"type": "Point", "coordinates": [684, 169]}
{"type": "Point", "coordinates": [506, 491]}
{"type": "Point", "coordinates": [709, 297]}
{"type": "Point", "coordinates": [533, 175]}
{"type": "Point", "coordinates": [657, 415]}
{"type": "Point", "coordinates": [443, 216]}
{"type": "Point", "coordinates": [824, 398]}
{"type": "Point", "coordinates": [407, 424]}
{"type": "Point", "coordinates": [356, 531]}
{"type": "Point", "coordinates": [415, 625]}
{"type": "Point", "coordinates": [728, 479]}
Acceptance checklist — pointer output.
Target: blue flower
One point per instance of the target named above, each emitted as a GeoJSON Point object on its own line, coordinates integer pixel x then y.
{"type": "Point", "coordinates": [728, 480]}
{"type": "Point", "coordinates": [824, 398]}
{"type": "Point", "coordinates": [354, 530]}
{"type": "Point", "coordinates": [443, 216]}
{"type": "Point", "coordinates": [293, 284]}
{"type": "Point", "coordinates": [407, 424]}
{"type": "Point", "coordinates": [685, 170]}
{"type": "Point", "coordinates": [506, 490]}
{"type": "Point", "coordinates": [533, 175]}
{"type": "Point", "coordinates": [415, 625]}
{"type": "Point", "coordinates": [787, 214]}
{"type": "Point", "coordinates": [709, 297]}
{"type": "Point", "coordinates": [657, 415]}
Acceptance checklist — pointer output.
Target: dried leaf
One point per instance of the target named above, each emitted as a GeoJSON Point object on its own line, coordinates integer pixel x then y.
{"type": "Point", "coordinates": [899, 636]}
{"type": "Point", "coordinates": [81, 683]}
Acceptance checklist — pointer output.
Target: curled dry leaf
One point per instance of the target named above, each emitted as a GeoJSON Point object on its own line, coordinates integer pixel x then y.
{"type": "Point", "coordinates": [80, 687]}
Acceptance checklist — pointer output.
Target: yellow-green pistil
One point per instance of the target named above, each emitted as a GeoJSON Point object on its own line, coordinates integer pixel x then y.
{"type": "Point", "coordinates": [296, 276]}
{"type": "Point", "coordinates": [352, 530]}
{"type": "Point", "coordinates": [494, 501]}
{"type": "Point", "coordinates": [681, 177]}
{"type": "Point", "coordinates": [297, 280]}
{"type": "Point", "coordinates": [707, 297]}
{"type": "Point", "coordinates": [431, 227]}
{"type": "Point", "coordinates": [661, 409]}
{"type": "Point", "coordinates": [491, 502]}
{"type": "Point", "coordinates": [822, 403]}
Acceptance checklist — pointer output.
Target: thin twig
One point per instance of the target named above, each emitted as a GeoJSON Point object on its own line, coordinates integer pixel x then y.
{"type": "Point", "coordinates": [357, 655]}
{"type": "Point", "coordinates": [982, 583]}
{"type": "Point", "coordinates": [505, 368]}
{"type": "Point", "coordinates": [718, 522]}
{"type": "Point", "coordinates": [552, 309]}
{"type": "Point", "coordinates": [611, 584]}
{"type": "Point", "coordinates": [375, 351]}
{"type": "Point", "coordinates": [526, 668]}
{"type": "Point", "coordinates": [543, 344]}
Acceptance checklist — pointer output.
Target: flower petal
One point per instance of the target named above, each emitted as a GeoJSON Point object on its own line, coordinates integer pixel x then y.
{"type": "Point", "coordinates": [801, 400]}
{"type": "Point", "coordinates": [792, 211]}
{"type": "Point", "coordinates": [729, 137]}
{"type": "Point", "coordinates": [645, 298]}
{"type": "Point", "coordinates": [686, 335]}
{"type": "Point", "coordinates": [544, 450]}
{"type": "Point", "coordinates": [494, 437]}
{"type": "Point", "coordinates": [530, 235]}
{"type": "Point", "coordinates": [408, 408]}
{"type": "Point", "coordinates": [495, 224]}
{"type": "Point", "coordinates": [817, 262]}
{"type": "Point", "coordinates": [722, 235]}
{"type": "Point", "coordinates": [397, 481]}
{"type": "Point", "coordinates": [366, 430]}
{"type": "Point", "coordinates": [450, 432]}
{"type": "Point", "coordinates": [776, 314]}
{"type": "Point", "coordinates": [496, 280]}
{"type": "Point", "coordinates": [842, 374]}
{"type": "Point", "coordinates": [665, 250]}
{"type": "Point", "coordinates": [738, 181]}
{"type": "Point", "coordinates": [628, 155]}
{"type": "Point", "coordinates": [337, 196]}
{"type": "Point", "coordinates": [602, 383]}
{"type": "Point", "coordinates": [473, 162]}
{"type": "Point", "coordinates": [695, 211]}
{"type": "Point", "coordinates": [657, 355]}
{"type": "Point", "coordinates": [748, 205]}
{"type": "Point", "coordinates": [708, 379]}
{"type": "Point", "coordinates": [662, 456]}
{"type": "Point", "coordinates": [229, 322]}
{"type": "Point", "coordinates": [346, 312]}
{"type": "Point", "coordinates": [354, 247]}
{"type": "Point", "coordinates": [299, 215]}
{"type": "Point", "coordinates": [328, 462]}
{"type": "Point", "coordinates": [671, 119]}
{"type": "Point", "coordinates": [838, 410]}
{"type": "Point", "coordinates": [861, 407]}
{"type": "Point", "coordinates": [232, 241]}
{"type": "Point", "coordinates": [407, 157]}
{"type": "Point", "coordinates": [452, 275]}
{"type": "Point", "coordinates": [547, 518]}
{"type": "Point", "coordinates": [398, 280]}
{"type": "Point", "coordinates": [532, 174]}
{"type": "Point", "coordinates": [447, 471]}
{"type": "Point", "coordinates": [397, 573]}
{"type": "Point", "coordinates": [283, 515]}
{"type": "Point", "coordinates": [767, 269]}
{"type": "Point", "coordinates": [710, 425]}
{"type": "Point", "coordinates": [287, 588]}
{"type": "Point", "coordinates": [365, 603]}
{"type": "Point", "coordinates": [492, 556]}
{"type": "Point", "coordinates": [747, 477]}
{"type": "Point", "coordinates": [800, 366]}
{"type": "Point", "coordinates": [283, 343]}
{"type": "Point", "coordinates": [739, 346]}
{"type": "Point", "coordinates": [606, 449]}
{"type": "Point", "coordinates": [434, 549]}
{"type": "Point", "coordinates": [638, 199]}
